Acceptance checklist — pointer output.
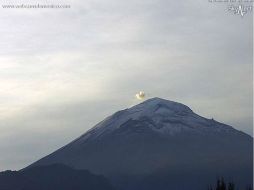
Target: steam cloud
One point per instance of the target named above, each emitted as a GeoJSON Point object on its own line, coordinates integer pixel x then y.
{"type": "Point", "coordinates": [140, 95]}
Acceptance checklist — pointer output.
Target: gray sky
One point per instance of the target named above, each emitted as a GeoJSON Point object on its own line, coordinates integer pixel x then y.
{"type": "Point", "coordinates": [64, 70]}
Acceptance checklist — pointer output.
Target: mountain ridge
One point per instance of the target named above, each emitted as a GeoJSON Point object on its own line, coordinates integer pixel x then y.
{"type": "Point", "coordinates": [154, 107]}
{"type": "Point", "coordinates": [52, 177]}
{"type": "Point", "coordinates": [159, 138]}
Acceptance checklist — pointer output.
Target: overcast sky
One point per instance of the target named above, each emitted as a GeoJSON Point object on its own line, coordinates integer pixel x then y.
{"type": "Point", "coordinates": [64, 70]}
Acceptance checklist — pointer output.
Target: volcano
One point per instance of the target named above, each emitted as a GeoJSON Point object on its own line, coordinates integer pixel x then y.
{"type": "Point", "coordinates": [158, 145]}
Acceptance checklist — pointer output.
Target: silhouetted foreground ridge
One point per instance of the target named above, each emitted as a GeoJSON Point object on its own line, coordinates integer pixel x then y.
{"type": "Point", "coordinates": [53, 177]}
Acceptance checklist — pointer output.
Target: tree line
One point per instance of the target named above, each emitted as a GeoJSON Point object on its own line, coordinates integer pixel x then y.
{"type": "Point", "coordinates": [222, 185]}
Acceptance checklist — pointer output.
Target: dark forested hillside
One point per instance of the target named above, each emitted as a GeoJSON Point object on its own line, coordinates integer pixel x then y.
{"type": "Point", "coordinates": [52, 177]}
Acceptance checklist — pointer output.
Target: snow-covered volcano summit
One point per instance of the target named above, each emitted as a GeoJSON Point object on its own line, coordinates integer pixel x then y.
{"type": "Point", "coordinates": [162, 142]}
{"type": "Point", "coordinates": [159, 115]}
